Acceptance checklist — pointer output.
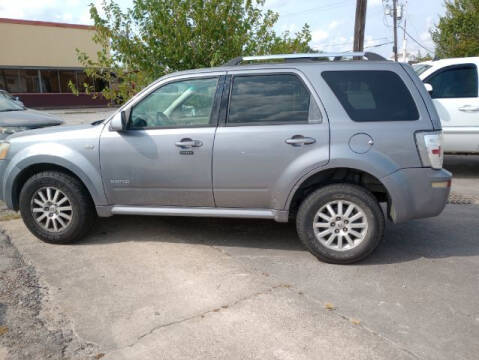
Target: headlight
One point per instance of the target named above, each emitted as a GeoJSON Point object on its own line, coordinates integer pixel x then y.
{"type": "Point", "coordinates": [4, 146]}
{"type": "Point", "coordinates": [8, 130]}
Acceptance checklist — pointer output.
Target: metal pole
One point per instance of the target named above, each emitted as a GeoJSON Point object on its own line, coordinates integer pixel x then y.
{"type": "Point", "coordinates": [404, 39]}
{"type": "Point", "coordinates": [395, 22]}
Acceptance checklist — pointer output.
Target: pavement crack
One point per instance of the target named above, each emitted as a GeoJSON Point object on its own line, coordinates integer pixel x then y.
{"type": "Point", "coordinates": [335, 312]}
{"type": "Point", "coordinates": [203, 314]}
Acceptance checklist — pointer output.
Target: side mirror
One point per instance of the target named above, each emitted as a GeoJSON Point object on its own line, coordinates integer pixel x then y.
{"type": "Point", "coordinates": [428, 87]}
{"type": "Point", "coordinates": [118, 123]}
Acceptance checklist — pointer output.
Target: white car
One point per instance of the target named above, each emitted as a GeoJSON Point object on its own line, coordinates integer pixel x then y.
{"type": "Point", "coordinates": [453, 85]}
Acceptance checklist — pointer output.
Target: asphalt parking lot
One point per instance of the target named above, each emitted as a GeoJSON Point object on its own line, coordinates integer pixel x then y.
{"type": "Point", "coordinates": [183, 288]}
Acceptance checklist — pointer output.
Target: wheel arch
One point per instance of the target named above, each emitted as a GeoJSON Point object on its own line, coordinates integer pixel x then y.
{"type": "Point", "coordinates": [336, 175]}
{"type": "Point", "coordinates": [19, 179]}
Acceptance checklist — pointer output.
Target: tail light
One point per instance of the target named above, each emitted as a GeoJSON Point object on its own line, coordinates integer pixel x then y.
{"type": "Point", "coordinates": [430, 149]}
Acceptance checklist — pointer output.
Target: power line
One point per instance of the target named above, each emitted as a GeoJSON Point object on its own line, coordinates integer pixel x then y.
{"type": "Point", "coordinates": [417, 42]}
{"type": "Point", "coordinates": [378, 45]}
{"type": "Point", "coordinates": [375, 46]}
{"type": "Point", "coordinates": [349, 42]}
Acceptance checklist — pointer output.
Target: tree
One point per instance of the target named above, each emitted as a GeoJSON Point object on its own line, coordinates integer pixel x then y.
{"type": "Point", "coordinates": [156, 37]}
{"type": "Point", "coordinates": [457, 34]}
{"type": "Point", "coordinates": [421, 58]}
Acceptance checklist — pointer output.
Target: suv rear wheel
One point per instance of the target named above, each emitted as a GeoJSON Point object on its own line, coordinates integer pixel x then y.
{"type": "Point", "coordinates": [56, 207]}
{"type": "Point", "coordinates": [341, 223]}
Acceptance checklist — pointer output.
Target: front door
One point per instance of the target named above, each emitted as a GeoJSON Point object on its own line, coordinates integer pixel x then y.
{"type": "Point", "coordinates": [455, 96]}
{"type": "Point", "coordinates": [164, 156]}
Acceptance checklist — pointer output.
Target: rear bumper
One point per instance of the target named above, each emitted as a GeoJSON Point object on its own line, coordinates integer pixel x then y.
{"type": "Point", "coordinates": [417, 193]}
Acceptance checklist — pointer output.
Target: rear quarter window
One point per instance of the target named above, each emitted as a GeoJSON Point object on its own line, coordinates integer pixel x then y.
{"type": "Point", "coordinates": [370, 95]}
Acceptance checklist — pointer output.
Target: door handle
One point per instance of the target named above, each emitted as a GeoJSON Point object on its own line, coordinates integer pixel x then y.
{"type": "Point", "coordinates": [468, 108]}
{"type": "Point", "coordinates": [298, 140]}
{"type": "Point", "coordinates": [188, 143]}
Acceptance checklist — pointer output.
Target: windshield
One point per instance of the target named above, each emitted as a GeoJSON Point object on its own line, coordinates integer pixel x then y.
{"type": "Point", "coordinates": [7, 104]}
{"type": "Point", "coordinates": [420, 68]}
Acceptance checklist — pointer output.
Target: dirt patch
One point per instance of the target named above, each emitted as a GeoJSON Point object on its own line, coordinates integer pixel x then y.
{"type": "Point", "coordinates": [461, 199]}
{"type": "Point", "coordinates": [25, 331]}
{"type": "Point", "coordinates": [7, 214]}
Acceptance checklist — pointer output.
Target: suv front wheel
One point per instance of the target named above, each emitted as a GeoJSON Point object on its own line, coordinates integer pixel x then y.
{"type": "Point", "coordinates": [340, 223]}
{"type": "Point", "coordinates": [56, 207]}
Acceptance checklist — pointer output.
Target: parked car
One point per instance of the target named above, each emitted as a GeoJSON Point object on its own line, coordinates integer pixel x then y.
{"type": "Point", "coordinates": [15, 118]}
{"type": "Point", "coordinates": [6, 94]}
{"type": "Point", "coordinates": [321, 143]}
{"type": "Point", "coordinates": [453, 85]}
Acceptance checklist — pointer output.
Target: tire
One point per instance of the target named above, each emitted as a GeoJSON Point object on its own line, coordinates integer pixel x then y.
{"type": "Point", "coordinates": [366, 220]}
{"type": "Point", "coordinates": [46, 186]}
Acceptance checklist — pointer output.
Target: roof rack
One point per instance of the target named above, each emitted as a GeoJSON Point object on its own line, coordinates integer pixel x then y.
{"type": "Point", "coordinates": [307, 57]}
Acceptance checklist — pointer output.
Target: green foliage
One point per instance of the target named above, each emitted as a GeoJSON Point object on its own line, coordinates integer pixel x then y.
{"type": "Point", "coordinates": [156, 37]}
{"type": "Point", "coordinates": [421, 58]}
{"type": "Point", "coordinates": [457, 34]}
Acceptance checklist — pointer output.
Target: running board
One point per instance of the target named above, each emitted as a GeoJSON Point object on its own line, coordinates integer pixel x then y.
{"type": "Point", "coordinates": [280, 216]}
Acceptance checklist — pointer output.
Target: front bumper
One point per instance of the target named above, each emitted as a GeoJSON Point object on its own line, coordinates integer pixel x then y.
{"type": "Point", "coordinates": [417, 193]}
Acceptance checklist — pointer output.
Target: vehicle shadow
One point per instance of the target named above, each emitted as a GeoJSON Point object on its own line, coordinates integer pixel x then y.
{"type": "Point", "coordinates": [453, 234]}
{"type": "Point", "coordinates": [464, 166]}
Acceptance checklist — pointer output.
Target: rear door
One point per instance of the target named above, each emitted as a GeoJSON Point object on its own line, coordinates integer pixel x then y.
{"type": "Point", "coordinates": [455, 96]}
{"type": "Point", "coordinates": [273, 130]}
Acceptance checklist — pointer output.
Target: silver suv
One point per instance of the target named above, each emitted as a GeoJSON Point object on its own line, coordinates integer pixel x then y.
{"type": "Point", "coordinates": [322, 143]}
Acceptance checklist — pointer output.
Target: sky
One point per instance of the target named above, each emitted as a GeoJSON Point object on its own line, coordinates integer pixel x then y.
{"type": "Point", "coordinates": [331, 21]}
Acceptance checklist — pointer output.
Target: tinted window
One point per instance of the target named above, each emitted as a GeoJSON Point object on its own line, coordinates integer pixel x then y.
{"type": "Point", "coordinates": [12, 81]}
{"type": "Point", "coordinates": [3, 83]}
{"type": "Point", "coordinates": [29, 81]}
{"type": "Point", "coordinates": [82, 80]}
{"type": "Point", "coordinates": [457, 82]}
{"type": "Point", "coordinates": [180, 104]}
{"type": "Point", "coordinates": [50, 81]}
{"type": "Point", "coordinates": [65, 78]}
{"type": "Point", "coordinates": [372, 95]}
{"type": "Point", "coordinates": [268, 99]}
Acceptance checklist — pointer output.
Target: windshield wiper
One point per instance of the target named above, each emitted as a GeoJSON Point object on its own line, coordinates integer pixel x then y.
{"type": "Point", "coordinates": [97, 122]}
{"type": "Point", "coordinates": [11, 110]}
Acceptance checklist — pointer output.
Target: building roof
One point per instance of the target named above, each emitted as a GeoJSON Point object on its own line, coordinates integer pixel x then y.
{"type": "Point", "coordinates": [46, 23]}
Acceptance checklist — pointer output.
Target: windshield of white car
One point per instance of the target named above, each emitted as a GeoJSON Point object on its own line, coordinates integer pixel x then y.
{"type": "Point", "coordinates": [6, 104]}
{"type": "Point", "coordinates": [420, 68]}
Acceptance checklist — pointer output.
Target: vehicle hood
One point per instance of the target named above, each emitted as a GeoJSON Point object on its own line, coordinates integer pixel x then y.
{"type": "Point", "coordinates": [53, 132]}
{"type": "Point", "coordinates": [28, 118]}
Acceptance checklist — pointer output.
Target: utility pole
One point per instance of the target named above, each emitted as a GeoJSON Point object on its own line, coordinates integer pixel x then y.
{"type": "Point", "coordinates": [404, 39]}
{"type": "Point", "coordinates": [395, 25]}
{"type": "Point", "coordinates": [359, 25]}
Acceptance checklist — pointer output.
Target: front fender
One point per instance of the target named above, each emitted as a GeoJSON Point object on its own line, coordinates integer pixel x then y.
{"type": "Point", "coordinates": [84, 165]}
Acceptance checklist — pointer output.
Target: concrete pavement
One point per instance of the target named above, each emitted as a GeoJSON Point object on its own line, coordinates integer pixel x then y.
{"type": "Point", "coordinates": [149, 288]}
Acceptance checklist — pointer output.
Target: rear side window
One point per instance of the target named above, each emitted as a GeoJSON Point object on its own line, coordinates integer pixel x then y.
{"type": "Point", "coordinates": [454, 82]}
{"type": "Point", "coordinates": [270, 99]}
{"type": "Point", "coordinates": [372, 95]}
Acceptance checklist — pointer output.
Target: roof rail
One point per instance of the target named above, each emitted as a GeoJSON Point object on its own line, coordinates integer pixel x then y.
{"type": "Point", "coordinates": [306, 57]}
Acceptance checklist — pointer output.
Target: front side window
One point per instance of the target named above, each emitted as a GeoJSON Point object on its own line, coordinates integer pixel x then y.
{"type": "Point", "coordinates": [455, 82]}
{"type": "Point", "coordinates": [269, 99]}
{"type": "Point", "coordinates": [370, 95]}
{"type": "Point", "coordinates": [179, 104]}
